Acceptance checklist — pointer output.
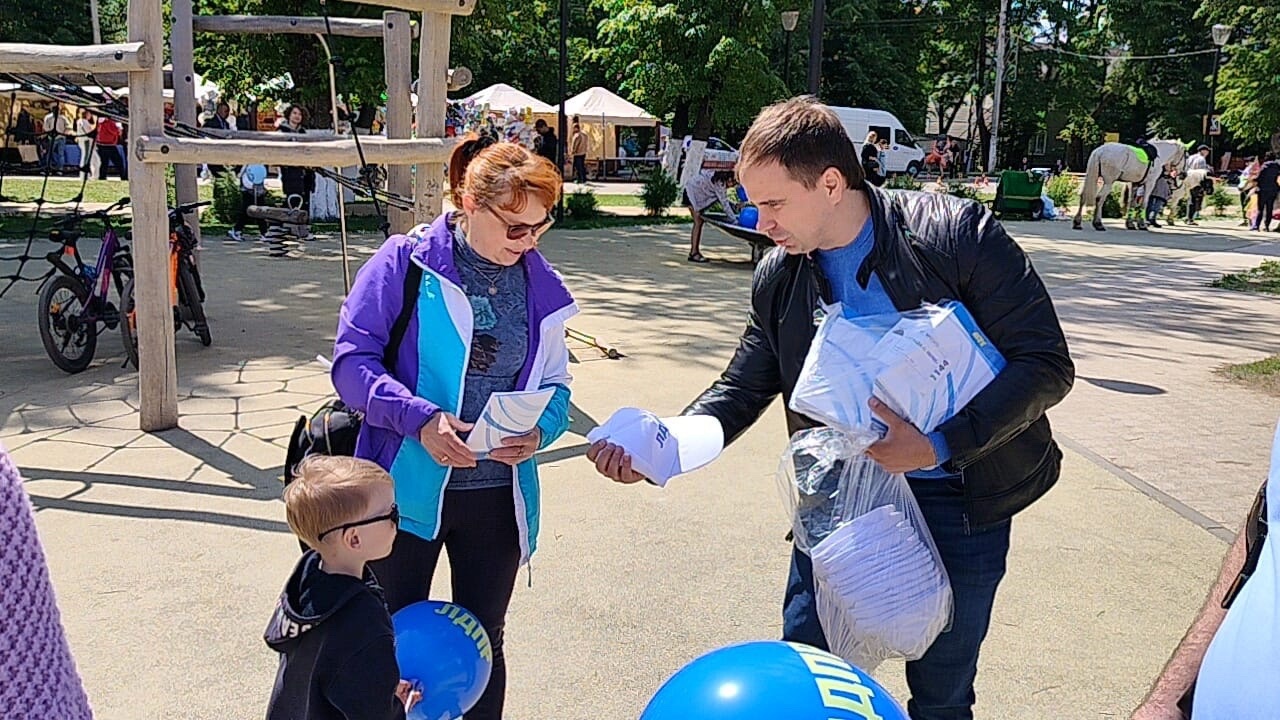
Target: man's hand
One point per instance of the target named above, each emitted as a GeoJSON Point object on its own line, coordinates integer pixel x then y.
{"type": "Point", "coordinates": [904, 448]}
{"type": "Point", "coordinates": [518, 448]}
{"type": "Point", "coordinates": [613, 462]}
{"type": "Point", "coordinates": [440, 437]}
{"type": "Point", "coordinates": [1157, 711]}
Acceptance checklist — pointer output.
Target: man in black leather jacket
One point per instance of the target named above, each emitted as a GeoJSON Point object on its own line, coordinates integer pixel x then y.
{"type": "Point", "coordinates": [879, 251]}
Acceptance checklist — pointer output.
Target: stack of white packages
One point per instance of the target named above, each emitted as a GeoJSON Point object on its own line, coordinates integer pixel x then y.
{"type": "Point", "coordinates": [881, 591]}
{"type": "Point", "coordinates": [926, 365]}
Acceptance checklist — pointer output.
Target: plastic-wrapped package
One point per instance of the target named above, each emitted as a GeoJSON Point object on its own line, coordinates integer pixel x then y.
{"type": "Point", "coordinates": [881, 588]}
{"type": "Point", "coordinates": [926, 365]}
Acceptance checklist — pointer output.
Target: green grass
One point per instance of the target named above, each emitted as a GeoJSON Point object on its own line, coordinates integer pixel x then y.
{"type": "Point", "coordinates": [619, 201]}
{"type": "Point", "coordinates": [61, 190]}
{"type": "Point", "coordinates": [1262, 375]}
{"type": "Point", "coordinates": [1263, 279]}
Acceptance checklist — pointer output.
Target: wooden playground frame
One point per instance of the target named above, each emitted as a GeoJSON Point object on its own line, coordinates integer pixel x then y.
{"type": "Point", "coordinates": [152, 149]}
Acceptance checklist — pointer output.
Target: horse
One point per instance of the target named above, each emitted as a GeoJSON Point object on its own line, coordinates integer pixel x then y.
{"type": "Point", "coordinates": [1112, 162]}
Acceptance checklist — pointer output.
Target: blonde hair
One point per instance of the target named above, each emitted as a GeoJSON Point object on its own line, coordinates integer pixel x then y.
{"type": "Point", "coordinates": [329, 491]}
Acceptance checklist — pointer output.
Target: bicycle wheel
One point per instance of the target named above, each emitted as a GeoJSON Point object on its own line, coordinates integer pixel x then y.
{"type": "Point", "coordinates": [190, 293]}
{"type": "Point", "coordinates": [129, 324]}
{"type": "Point", "coordinates": [69, 336]}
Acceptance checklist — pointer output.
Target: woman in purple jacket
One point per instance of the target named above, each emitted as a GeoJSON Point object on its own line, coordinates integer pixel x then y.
{"type": "Point", "coordinates": [489, 317]}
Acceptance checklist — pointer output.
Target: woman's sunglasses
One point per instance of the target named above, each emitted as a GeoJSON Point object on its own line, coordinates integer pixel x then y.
{"type": "Point", "coordinates": [520, 230]}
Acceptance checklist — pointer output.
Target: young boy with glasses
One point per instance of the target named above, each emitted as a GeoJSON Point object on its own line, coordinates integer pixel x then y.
{"type": "Point", "coordinates": [331, 626]}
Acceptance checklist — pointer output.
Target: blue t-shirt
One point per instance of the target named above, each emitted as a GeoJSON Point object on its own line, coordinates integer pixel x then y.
{"type": "Point", "coordinates": [499, 345]}
{"type": "Point", "coordinates": [841, 265]}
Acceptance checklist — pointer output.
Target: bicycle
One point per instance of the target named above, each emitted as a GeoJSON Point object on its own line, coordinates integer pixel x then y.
{"type": "Point", "coordinates": [186, 292]}
{"type": "Point", "coordinates": [73, 306]}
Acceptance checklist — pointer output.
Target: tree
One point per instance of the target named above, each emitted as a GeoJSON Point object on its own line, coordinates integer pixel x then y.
{"type": "Point", "coordinates": [36, 21]}
{"type": "Point", "coordinates": [699, 61]}
{"type": "Point", "coordinates": [1247, 89]}
{"type": "Point", "coordinates": [242, 64]}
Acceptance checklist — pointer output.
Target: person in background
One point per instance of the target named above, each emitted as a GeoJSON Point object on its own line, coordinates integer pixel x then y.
{"type": "Point", "coordinates": [870, 157]}
{"type": "Point", "coordinates": [253, 191]}
{"type": "Point", "coordinates": [1248, 183]}
{"type": "Point", "coordinates": [24, 129]}
{"type": "Point", "coordinates": [85, 128]}
{"type": "Point", "coordinates": [1160, 193]}
{"type": "Point", "coordinates": [578, 145]}
{"type": "Point", "coordinates": [38, 677]}
{"type": "Point", "coordinates": [221, 120]}
{"type": "Point", "coordinates": [703, 191]}
{"type": "Point", "coordinates": [546, 144]}
{"type": "Point", "coordinates": [56, 131]}
{"type": "Point", "coordinates": [298, 181]}
{"type": "Point", "coordinates": [1268, 181]}
{"type": "Point", "coordinates": [1198, 161]}
{"type": "Point", "coordinates": [109, 135]}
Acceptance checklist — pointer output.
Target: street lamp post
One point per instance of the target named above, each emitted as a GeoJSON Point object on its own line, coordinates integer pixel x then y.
{"type": "Point", "coordinates": [816, 27]}
{"type": "Point", "coordinates": [789, 20]}
{"type": "Point", "coordinates": [1221, 34]}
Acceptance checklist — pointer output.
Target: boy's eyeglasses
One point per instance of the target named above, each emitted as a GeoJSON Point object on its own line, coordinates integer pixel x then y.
{"type": "Point", "coordinates": [393, 515]}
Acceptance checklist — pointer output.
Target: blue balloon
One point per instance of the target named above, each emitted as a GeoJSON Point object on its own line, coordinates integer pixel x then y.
{"type": "Point", "coordinates": [445, 649]}
{"type": "Point", "coordinates": [742, 193]}
{"type": "Point", "coordinates": [749, 217]}
{"type": "Point", "coordinates": [771, 681]}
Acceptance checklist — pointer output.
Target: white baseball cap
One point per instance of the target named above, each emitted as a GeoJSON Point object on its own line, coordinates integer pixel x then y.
{"type": "Point", "coordinates": [662, 448]}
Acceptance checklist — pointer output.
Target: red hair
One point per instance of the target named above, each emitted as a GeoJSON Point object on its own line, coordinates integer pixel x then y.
{"type": "Point", "coordinates": [501, 175]}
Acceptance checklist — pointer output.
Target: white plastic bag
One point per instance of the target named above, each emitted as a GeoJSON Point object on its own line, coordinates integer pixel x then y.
{"type": "Point", "coordinates": [880, 585]}
{"type": "Point", "coordinates": [926, 365]}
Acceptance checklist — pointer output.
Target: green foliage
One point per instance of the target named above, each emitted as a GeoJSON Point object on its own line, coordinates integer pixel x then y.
{"type": "Point", "coordinates": [1247, 94]}
{"type": "Point", "coordinates": [1113, 206]}
{"type": "Point", "coordinates": [170, 187]}
{"type": "Point", "coordinates": [902, 182]}
{"type": "Point", "coordinates": [1264, 279]}
{"type": "Point", "coordinates": [1220, 200]}
{"type": "Point", "coordinates": [1063, 190]}
{"type": "Point", "coordinates": [243, 64]}
{"type": "Point", "coordinates": [582, 205]}
{"type": "Point", "coordinates": [704, 59]}
{"type": "Point", "coordinates": [962, 189]}
{"type": "Point", "coordinates": [659, 193]}
{"type": "Point", "coordinates": [226, 198]}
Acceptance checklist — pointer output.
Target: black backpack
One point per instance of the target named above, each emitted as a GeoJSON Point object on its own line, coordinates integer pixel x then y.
{"type": "Point", "coordinates": [333, 429]}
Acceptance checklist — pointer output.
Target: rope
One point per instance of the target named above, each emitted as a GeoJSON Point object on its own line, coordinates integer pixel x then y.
{"type": "Point", "coordinates": [1037, 47]}
{"type": "Point", "coordinates": [336, 62]}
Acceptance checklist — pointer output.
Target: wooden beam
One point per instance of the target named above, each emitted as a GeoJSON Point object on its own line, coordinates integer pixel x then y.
{"type": "Point", "coordinates": [443, 7]}
{"type": "Point", "coordinates": [106, 79]}
{"type": "Point", "coordinates": [118, 57]}
{"type": "Point", "coordinates": [433, 83]}
{"type": "Point", "coordinates": [397, 59]}
{"type": "Point", "coordinates": [289, 25]}
{"type": "Point", "coordinates": [182, 50]}
{"type": "Point", "coordinates": [157, 369]}
{"type": "Point", "coordinates": [156, 149]}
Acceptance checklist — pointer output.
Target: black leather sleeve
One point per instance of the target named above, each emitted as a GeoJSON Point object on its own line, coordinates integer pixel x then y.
{"type": "Point", "coordinates": [1009, 301]}
{"type": "Point", "coordinates": [752, 380]}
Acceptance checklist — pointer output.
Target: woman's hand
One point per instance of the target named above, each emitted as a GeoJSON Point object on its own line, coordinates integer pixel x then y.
{"type": "Point", "coordinates": [440, 437]}
{"type": "Point", "coordinates": [517, 448]}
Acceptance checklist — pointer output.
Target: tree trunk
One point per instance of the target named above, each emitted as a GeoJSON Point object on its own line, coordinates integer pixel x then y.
{"type": "Point", "coordinates": [702, 122]}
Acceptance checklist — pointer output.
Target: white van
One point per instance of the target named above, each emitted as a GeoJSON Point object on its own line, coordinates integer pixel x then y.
{"type": "Point", "coordinates": [904, 155]}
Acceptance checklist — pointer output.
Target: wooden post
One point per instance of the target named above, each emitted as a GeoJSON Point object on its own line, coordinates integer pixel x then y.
{"type": "Point", "coordinates": [157, 372]}
{"type": "Point", "coordinates": [397, 57]}
{"type": "Point", "coordinates": [433, 83]}
{"type": "Point", "coordinates": [182, 49]}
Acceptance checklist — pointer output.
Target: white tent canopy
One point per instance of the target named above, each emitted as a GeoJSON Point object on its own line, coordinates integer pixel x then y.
{"type": "Point", "coordinates": [502, 97]}
{"type": "Point", "coordinates": [599, 104]}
